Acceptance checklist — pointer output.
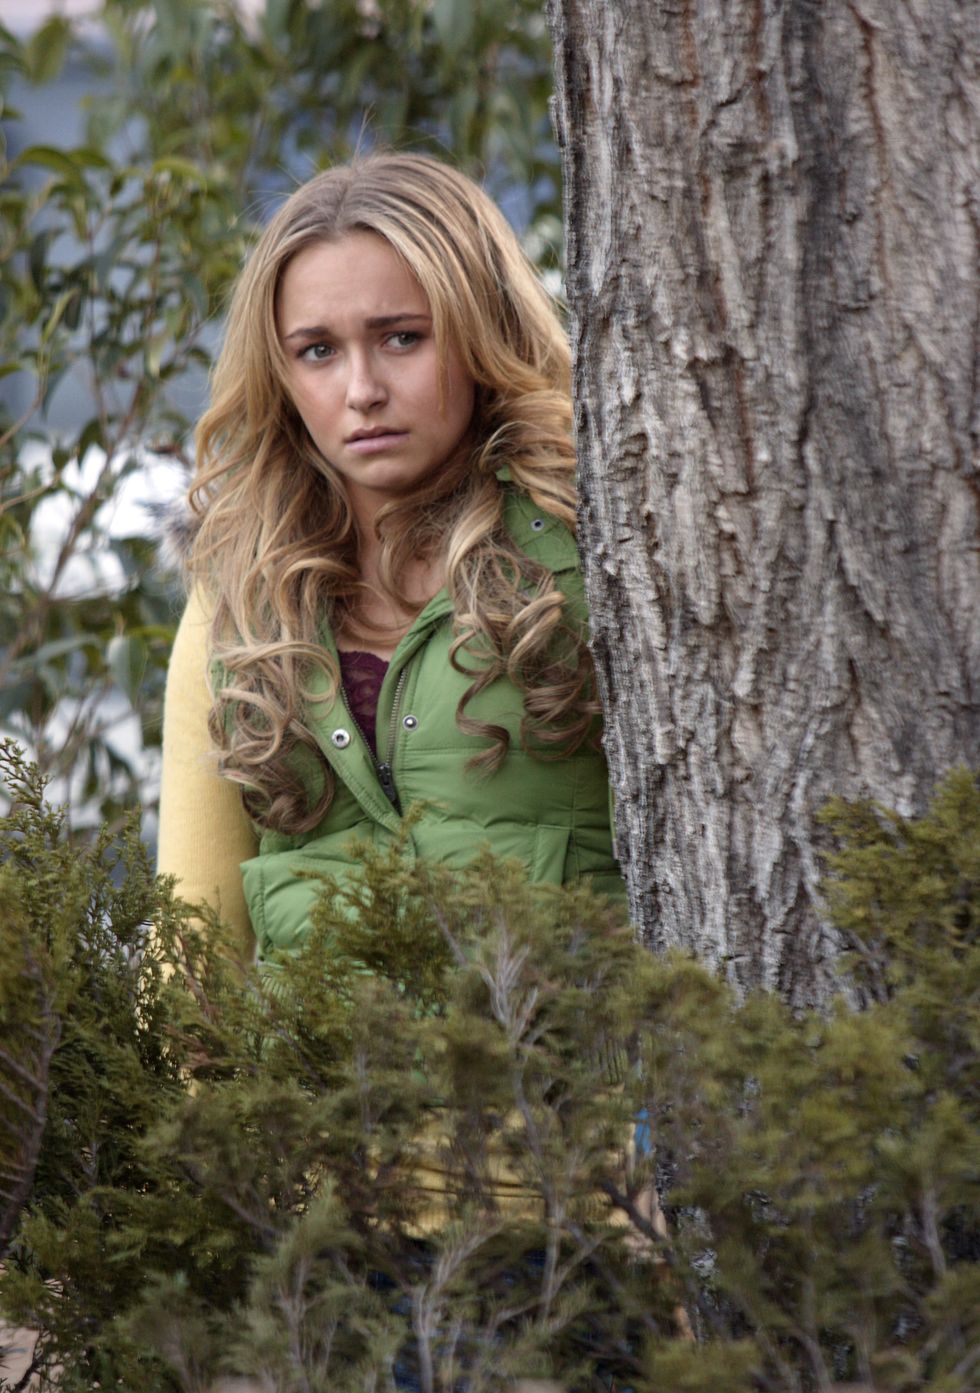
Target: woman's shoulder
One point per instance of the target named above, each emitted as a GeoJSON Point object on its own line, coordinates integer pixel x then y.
{"type": "Point", "coordinates": [191, 640]}
{"type": "Point", "coordinates": [539, 534]}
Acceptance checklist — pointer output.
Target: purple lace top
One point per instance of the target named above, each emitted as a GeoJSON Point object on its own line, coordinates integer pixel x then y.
{"type": "Point", "coordinates": [362, 675]}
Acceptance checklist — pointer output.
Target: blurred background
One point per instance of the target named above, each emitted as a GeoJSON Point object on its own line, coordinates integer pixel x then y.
{"type": "Point", "coordinates": [142, 145]}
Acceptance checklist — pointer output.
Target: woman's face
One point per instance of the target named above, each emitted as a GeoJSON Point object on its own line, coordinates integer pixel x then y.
{"type": "Point", "coordinates": [356, 329]}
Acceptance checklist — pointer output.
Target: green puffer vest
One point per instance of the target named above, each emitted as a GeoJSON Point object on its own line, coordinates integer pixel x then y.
{"type": "Point", "coordinates": [551, 814]}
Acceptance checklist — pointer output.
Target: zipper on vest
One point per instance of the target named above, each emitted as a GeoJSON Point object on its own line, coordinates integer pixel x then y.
{"type": "Point", "coordinates": [387, 781]}
{"type": "Point", "coordinates": [383, 767]}
{"type": "Point", "coordinates": [386, 772]}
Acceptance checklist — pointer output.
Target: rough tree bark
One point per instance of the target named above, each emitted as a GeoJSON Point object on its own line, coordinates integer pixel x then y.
{"type": "Point", "coordinates": [773, 231]}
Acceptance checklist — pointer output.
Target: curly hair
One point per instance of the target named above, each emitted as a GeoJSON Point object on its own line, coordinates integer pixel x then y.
{"type": "Point", "coordinates": [276, 545]}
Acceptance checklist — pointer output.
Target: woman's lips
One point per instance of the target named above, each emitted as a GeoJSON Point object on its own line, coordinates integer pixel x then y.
{"type": "Point", "coordinates": [370, 444]}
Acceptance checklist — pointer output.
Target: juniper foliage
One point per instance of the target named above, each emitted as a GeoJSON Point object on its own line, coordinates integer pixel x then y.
{"type": "Point", "coordinates": [473, 1132]}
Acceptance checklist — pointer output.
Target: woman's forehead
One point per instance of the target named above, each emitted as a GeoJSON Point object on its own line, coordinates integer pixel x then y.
{"type": "Point", "coordinates": [356, 277]}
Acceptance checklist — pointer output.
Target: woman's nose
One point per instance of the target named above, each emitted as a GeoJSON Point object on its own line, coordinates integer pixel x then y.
{"type": "Point", "coordinates": [365, 385]}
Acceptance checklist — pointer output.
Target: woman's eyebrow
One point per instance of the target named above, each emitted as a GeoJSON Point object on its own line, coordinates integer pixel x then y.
{"type": "Point", "coordinates": [381, 321]}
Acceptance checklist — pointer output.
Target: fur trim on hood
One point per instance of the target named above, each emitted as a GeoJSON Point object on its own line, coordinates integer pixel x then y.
{"type": "Point", "coordinates": [176, 526]}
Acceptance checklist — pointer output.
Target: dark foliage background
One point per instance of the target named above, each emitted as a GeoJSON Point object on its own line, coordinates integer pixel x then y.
{"type": "Point", "coordinates": [205, 1169]}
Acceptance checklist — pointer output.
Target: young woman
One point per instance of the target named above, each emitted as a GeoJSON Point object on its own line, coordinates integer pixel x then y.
{"type": "Point", "coordinates": [387, 609]}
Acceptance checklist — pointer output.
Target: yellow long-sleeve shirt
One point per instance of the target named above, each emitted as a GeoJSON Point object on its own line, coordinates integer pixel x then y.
{"type": "Point", "coordinates": [205, 833]}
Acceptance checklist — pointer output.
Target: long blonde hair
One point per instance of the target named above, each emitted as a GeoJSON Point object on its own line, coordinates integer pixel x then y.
{"type": "Point", "coordinates": [276, 546]}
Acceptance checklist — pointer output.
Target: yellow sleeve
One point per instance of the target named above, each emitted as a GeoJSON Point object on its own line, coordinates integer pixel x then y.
{"type": "Point", "coordinates": [204, 831]}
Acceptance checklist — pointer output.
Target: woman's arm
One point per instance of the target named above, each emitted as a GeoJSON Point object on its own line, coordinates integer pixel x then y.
{"type": "Point", "coordinates": [204, 831]}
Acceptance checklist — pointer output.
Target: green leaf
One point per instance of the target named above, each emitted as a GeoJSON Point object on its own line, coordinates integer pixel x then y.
{"type": "Point", "coordinates": [181, 169]}
{"type": "Point", "coordinates": [15, 696]}
{"type": "Point", "coordinates": [126, 659]}
{"type": "Point", "coordinates": [11, 64]}
{"type": "Point", "coordinates": [50, 157]}
{"type": "Point", "coordinates": [46, 50]}
{"type": "Point", "coordinates": [38, 254]}
{"type": "Point", "coordinates": [59, 310]}
{"type": "Point", "coordinates": [93, 433]}
{"type": "Point", "coordinates": [155, 349]}
{"type": "Point", "coordinates": [88, 157]}
{"type": "Point", "coordinates": [454, 21]}
{"type": "Point", "coordinates": [59, 647]}
{"type": "Point", "coordinates": [73, 310]}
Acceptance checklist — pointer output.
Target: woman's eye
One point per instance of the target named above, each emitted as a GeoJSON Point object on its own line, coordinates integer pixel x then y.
{"type": "Point", "coordinates": [316, 352]}
{"type": "Point", "coordinates": [404, 338]}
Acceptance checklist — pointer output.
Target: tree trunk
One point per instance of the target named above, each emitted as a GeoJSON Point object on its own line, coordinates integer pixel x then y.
{"type": "Point", "coordinates": [773, 232]}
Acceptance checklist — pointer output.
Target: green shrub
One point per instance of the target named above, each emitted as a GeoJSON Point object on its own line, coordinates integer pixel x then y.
{"type": "Point", "coordinates": [226, 1171]}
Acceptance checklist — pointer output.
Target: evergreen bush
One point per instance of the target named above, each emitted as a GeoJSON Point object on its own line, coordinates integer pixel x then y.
{"type": "Point", "coordinates": [297, 1174]}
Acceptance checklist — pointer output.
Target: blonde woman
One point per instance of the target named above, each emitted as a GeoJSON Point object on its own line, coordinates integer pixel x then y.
{"type": "Point", "coordinates": [387, 607]}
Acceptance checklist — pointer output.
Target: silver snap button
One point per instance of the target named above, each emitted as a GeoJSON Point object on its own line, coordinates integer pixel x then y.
{"type": "Point", "coordinates": [537, 524]}
{"type": "Point", "coordinates": [340, 739]}
{"type": "Point", "coordinates": [410, 722]}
